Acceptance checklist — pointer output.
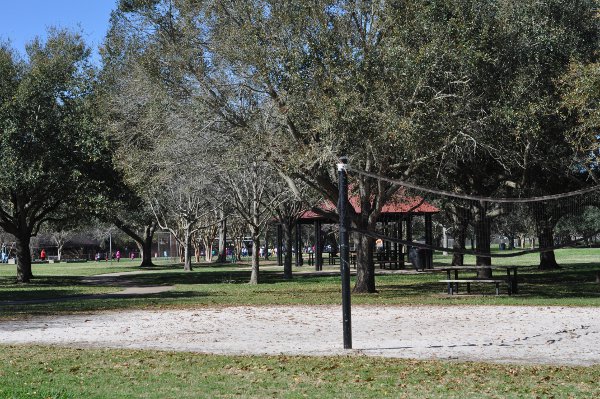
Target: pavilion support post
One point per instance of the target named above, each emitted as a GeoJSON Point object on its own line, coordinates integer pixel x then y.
{"type": "Point", "coordinates": [315, 244]}
{"type": "Point", "coordinates": [408, 231]}
{"type": "Point", "coordinates": [400, 247]}
{"type": "Point", "coordinates": [344, 253]}
{"type": "Point", "coordinates": [318, 246]}
{"type": "Point", "coordinates": [395, 245]}
{"type": "Point", "coordinates": [388, 232]}
{"type": "Point", "coordinates": [279, 245]}
{"type": "Point", "coordinates": [298, 244]}
{"type": "Point", "coordinates": [387, 246]}
{"type": "Point", "coordinates": [429, 241]}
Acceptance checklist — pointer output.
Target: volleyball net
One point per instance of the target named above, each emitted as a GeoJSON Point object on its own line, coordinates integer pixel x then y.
{"type": "Point", "coordinates": [489, 226]}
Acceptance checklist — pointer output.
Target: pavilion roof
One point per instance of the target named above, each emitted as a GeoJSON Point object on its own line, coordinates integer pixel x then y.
{"type": "Point", "coordinates": [399, 204]}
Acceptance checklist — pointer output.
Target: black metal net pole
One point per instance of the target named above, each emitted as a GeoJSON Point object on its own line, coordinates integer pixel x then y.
{"type": "Point", "coordinates": [344, 251]}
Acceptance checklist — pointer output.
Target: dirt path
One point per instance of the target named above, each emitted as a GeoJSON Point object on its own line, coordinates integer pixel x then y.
{"type": "Point", "coordinates": [535, 335]}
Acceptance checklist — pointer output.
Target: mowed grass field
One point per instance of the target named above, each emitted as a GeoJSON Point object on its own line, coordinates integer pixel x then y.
{"type": "Point", "coordinates": [218, 285]}
{"type": "Point", "coordinates": [49, 372]}
{"type": "Point", "coordinates": [43, 372]}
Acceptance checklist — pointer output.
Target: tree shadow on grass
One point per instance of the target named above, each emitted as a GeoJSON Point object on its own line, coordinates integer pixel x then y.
{"type": "Point", "coordinates": [50, 296]}
{"type": "Point", "coordinates": [49, 287]}
{"type": "Point", "coordinates": [215, 277]}
{"type": "Point", "coordinates": [569, 282]}
{"type": "Point", "coordinates": [43, 281]}
{"type": "Point", "coordinates": [410, 290]}
{"type": "Point", "coordinates": [39, 294]}
{"type": "Point", "coordinates": [91, 303]}
{"type": "Point", "coordinates": [557, 290]}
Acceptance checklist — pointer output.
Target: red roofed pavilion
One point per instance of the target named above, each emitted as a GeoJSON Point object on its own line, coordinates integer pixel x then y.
{"type": "Point", "coordinates": [396, 221]}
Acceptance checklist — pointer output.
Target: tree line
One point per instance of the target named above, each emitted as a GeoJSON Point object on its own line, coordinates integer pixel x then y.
{"type": "Point", "coordinates": [207, 109]}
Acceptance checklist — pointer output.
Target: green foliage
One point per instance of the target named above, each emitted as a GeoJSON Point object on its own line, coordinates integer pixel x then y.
{"type": "Point", "coordinates": [132, 5]}
{"type": "Point", "coordinates": [581, 95]}
{"type": "Point", "coordinates": [50, 150]}
{"type": "Point", "coordinates": [441, 85]}
{"type": "Point", "coordinates": [54, 162]}
{"type": "Point", "coordinates": [584, 223]}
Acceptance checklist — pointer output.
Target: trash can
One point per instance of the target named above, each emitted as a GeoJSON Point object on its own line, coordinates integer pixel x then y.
{"type": "Point", "coordinates": [418, 257]}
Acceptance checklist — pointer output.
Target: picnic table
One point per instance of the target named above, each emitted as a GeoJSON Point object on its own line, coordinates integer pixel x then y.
{"type": "Point", "coordinates": [452, 281]}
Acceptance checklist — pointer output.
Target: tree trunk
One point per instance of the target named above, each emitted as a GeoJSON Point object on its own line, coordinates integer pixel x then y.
{"type": "Point", "coordinates": [365, 268]}
{"type": "Point", "coordinates": [222, 241]}
{"type": "Point", "coordinates": [146, 246]}
{"type": "Point", "coordinates": [208, 248]}
{"type": "Point", "coordinates": [238, 249]}
{"type": "Point", "coordinates": [544, 224]}
{"type": "Point", "coordinates": [460, 244]}
{"type": "Point", "coordinates": [59, 252]}
{"type": "Point", "coordinates": [458, 259]}
{"type": "Point", "coordinates": [146, 252]}
{"type": "Point", "coordinates": [187, 251]}
{"type": "Point", "coordinates": [197, 252]}
{"type": "Point", "coordinates": [24, 274]}
{"type": "Point", "coordinates": [255, 258]}
{"type": "Point", "coordinates": [445, 240]}
{"type": "Point", "coordinates": [461, 218]}
{"type": "Point", "coordinates": [547, 258]}
{"type": "Point", "coordinates": [511, 241]}
{"type": "Point", "coordinates": [288, 240]}
{"type": "Point", "coordinates": [483, 238]}
{"type": "Point", "coordinates": [144, 242]}
{"type": "Point", "coordinates": [266, 254]}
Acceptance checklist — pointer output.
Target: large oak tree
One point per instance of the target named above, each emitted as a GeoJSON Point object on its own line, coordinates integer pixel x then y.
{"type": "Point", "coordinates": [54, 162]}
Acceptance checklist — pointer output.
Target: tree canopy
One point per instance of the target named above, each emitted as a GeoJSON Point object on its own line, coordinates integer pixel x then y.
{"type": "Point", "coordinates": [461, 95]}
{"type": "Point", "coordinates": [54, 161]}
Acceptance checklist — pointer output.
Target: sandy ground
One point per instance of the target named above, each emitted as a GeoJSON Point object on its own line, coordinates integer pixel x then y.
{"type": "Point", "coordinates": [533, 335]}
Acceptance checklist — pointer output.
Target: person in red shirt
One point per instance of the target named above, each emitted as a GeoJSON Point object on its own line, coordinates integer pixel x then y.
{"type": "Point", "coordinates": [43, 255]}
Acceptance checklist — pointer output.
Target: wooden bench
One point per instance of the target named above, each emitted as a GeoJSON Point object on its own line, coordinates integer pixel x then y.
{"type": "Point", "coordinates": [389, 260]}
{"type": "Point", "coordinates": [453, 284]}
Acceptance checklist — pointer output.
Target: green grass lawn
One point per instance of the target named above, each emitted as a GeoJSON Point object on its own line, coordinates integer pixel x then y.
{"type": "Point", "coordinates": [43, 372]}
{"type": "Point", "coordinates": [571, 256]}
{"type": "Point", "coordinates": [49, 372]}
{"type": "Point", "coordinates": [214, 285]}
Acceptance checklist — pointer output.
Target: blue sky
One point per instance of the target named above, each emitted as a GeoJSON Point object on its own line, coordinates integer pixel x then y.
{"type": "Point", "coordinates": [22, 20]}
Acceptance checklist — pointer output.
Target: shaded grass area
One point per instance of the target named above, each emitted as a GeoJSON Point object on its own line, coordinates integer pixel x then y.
{"type": "Point", "coordinates": [214, 285]}
{"type": "Point", "coordinates": [563, 256]}
{"type": "Point", "coordinates": [70, 269]}
{"type": "Point", "coordinates": [47, 372]}
{"type": "Point", "coordinates": [48, 287]}
{"type": "Point", "coordinates": [57, 280]}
